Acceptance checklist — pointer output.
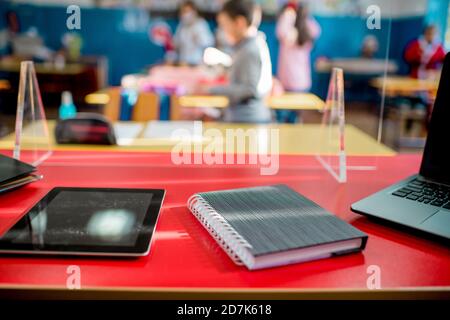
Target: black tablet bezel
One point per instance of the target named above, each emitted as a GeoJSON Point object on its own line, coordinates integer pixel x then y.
{"type": "Point", "coordinates": [140, 248]}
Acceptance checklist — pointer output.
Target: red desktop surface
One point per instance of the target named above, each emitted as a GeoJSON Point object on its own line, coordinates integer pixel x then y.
{"type": "Point", "coordinates": [184, 256]}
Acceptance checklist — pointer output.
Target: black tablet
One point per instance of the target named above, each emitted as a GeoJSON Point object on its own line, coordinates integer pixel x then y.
{"type": "Point", "coordinates": [87, 221]}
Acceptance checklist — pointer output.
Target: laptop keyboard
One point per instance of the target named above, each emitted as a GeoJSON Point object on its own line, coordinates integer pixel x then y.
{"type": "Point", "coordinates": [425, 192]}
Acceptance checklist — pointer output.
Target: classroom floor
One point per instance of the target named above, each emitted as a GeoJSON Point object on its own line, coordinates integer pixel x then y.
{"type": "Point", "coordinates": [363, 116]}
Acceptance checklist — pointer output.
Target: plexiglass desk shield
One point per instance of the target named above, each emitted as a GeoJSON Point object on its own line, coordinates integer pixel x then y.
{"type": "Point", "coordinates": [32, 143]}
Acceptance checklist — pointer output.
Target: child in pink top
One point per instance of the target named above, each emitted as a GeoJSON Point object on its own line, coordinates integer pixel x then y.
{"type": "Point", "coordinates": [296, 31]}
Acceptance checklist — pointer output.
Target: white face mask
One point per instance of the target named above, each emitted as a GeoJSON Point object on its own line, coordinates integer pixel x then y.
{"type": "Point", "coordinates": [188, 17]}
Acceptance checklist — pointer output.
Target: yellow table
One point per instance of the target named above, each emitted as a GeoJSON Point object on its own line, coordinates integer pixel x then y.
{"type": "Point", "coordinates": [297, 139]}
{"type": "Point", "coordinates": [357, 66]}
{"type": "Point", "coordinates": [405, 86]}
{"type": "Point", "coordinates": [288, 101]}
{"type": "Point", "coordinates": [13, 65]}
{"type": "Point", "coordinates": [4, 85]}
{"type": "Point", "coordinates": [408, 87]}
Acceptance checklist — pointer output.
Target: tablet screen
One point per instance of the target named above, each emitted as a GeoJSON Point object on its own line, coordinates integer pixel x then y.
{"type": "Point", "coordinates": [88, 220]}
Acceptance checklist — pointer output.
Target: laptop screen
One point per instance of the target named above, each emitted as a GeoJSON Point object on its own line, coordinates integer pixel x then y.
{"type": "Point", "coordinates": [436, 158]}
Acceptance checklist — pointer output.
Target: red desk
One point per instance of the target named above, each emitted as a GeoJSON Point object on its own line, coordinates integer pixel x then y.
{"type": "Point", "coordinates": [184, 258]}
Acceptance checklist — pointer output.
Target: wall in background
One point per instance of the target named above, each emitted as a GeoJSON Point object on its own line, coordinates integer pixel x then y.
{"type": "Point", "coordinates": [119, 34]}
{"type": "Point", "coordinates": [437, 13]}
{"type": "Point", "coordinates": [122, 35]}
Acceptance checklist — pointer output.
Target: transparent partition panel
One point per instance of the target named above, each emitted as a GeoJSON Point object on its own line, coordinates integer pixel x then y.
{"type": "Point", "coordinates": [332, 154]}
{"type": "Point", "coordinates": [32, 142]}
{"type": "Point", "coordinates": [407, 96]}
{"type": "Point", "coordinates": [355, 38]}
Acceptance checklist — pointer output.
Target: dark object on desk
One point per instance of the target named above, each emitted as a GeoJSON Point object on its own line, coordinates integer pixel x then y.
{"type": "Point", "coordinates": [87, 221]}
{"type": "Point", "coordinates": [83, 77]}
{"type": "Point", "coordinates": [422, 201]}
{"type": "Point", "coordinates": [85, 128]}
{"type": "Point", "coordinates": [14, 173]}
{"type": "Point", "coordinates": [270, 226]}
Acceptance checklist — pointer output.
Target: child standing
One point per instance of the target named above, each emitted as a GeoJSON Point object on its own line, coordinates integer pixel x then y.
{"type": "Point", "coordinates": [425, 54]}
{"type": "Point", "coordinates": [296, 31]}
{"type": "Point", "coordinates": [251, 73]}
{"type": "Point", "coordinates": [192, 36]}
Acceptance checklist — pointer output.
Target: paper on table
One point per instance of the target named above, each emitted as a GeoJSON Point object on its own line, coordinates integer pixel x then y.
{"type": "Point", "coordinates": [126, 133]}
{"type": "Point", "coordinates": [169, 129]}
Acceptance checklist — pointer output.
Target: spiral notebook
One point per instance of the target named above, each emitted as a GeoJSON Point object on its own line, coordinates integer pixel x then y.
{"type": "Point", "coordinates": [270, 226]}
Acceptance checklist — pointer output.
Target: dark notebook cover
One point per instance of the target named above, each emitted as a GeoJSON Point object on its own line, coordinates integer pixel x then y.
{"type": "Point", "coordinates": [11, 169]}
{"type": "Point", "coordinates": [276, 218]}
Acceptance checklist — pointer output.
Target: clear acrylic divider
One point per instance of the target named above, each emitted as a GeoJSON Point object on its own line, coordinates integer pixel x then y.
{"type": "Point", "coordinates": [332, 154]}
{"type": "Point", "coordinates": [32, 141]}
{"type": "Point", "coordinates": [354, 122]}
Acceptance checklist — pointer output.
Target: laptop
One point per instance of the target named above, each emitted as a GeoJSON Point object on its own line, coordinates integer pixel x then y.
{"type": "Point", "coordinates": [422, 201]}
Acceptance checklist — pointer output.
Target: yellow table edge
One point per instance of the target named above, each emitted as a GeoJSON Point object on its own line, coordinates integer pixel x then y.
{"type": "Point", "coordinates": [61, 293]}
{"type": "Point", "coordinates": [165, 145]}
{"type": "Point", "coordinates": [291, 101]}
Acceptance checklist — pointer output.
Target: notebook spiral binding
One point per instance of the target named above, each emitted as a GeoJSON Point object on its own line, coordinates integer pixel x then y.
{"type": "Point", "coordinates": [225, 235]}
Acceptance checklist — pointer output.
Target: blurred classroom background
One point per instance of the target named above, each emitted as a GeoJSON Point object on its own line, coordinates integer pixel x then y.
{"type": "Point", "coordinates": [118, 61]}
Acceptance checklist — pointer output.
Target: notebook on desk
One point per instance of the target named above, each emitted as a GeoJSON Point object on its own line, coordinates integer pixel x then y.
{"type": "Point", "coordinates": [271, 226]}
{"type": "Point", "coordinates": [15, 173]}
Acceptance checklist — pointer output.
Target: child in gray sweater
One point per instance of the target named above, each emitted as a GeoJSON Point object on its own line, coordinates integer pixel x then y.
{"type": "Point", "coordinates": [251, 72]}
